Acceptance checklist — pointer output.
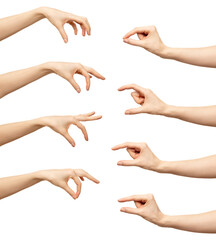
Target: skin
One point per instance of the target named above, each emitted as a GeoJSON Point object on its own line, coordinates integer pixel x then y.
{"type": "Point", "coordinates": [58, 177]}
{"type": "Point", "coordinates": [143, 157]}
{"type": "Point", "coordinates": [12, 81]}
{"type": "Point", "coordinates": [149, 103]}
{"type": "Point", "coordinates": [60, 124]}
{"type": "Point", "coordinates": [149, 39]}
{"type": "Point", "coordinates": [147, 208]}
{"type": "Point", "coordinates": [13, 24]}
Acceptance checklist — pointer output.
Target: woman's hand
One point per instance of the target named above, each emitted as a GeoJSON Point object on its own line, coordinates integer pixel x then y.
{"type": "Point", "coordinates": [149, 39]}
{"type": "Point", "coordinates": [67, 71]}
{"type": "Point", "coordinates": [59, 18]}
{"type": "Point", "coordinates": [142, 156]}
{"type": "Point", "coordinates": [146, 207]}
{"type": "Point", "coordinates": [61, 124]}
{"type": "Point", "coordinates": [61, 177]}
{"type": "Point", "coordinates": [149, 102]}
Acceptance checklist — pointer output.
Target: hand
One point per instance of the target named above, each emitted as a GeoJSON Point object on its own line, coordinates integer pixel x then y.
{"type": "Point", "coordinates": [59, 18]}
{"type": "Point", "coordinates": [67, 71]}
{"type": "Point", "coordinates": [146, 208]}
{"type": "Point", "coordinates": [149, 39]}
{"type": "Point", "coordinates": [149, 102]}
{"type": "Point", "coordinates": [142, 155]}
{"type": "Point", "coordinates": [61, 177]}
{"type": "Point", "coordinates": [61, 124]}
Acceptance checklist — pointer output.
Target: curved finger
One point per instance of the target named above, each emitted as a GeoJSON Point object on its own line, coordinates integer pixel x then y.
{"type": "Point", "coordinates": [79, 186]}
{"type": "Point", "coordinates": [134, 111]}
{"type": "Point", "coordinates": [74, 27]}
{"type": "Point", "coordinates": [127, 163]}
{"type": "Point", "coordinates": [69, 138]}
{"type": "Point", "coordinates": [63, 33]}
{"type": "Point", "coordinates": [85, 24]}
{"type": "Point", "coordinates": [132, 153]}
{"type": "Point", "coordinates": [130, 210]}
{"type": "Point", "coordinates": [83, 129]}
{"type": "Point", "coordinates": [137, 30]}
{"type": "Point", "coordinates": [69, 191]}
{"type": "Point", "coordinates": [137, 98]}
{"type": "Point", "coordinates": [87, 77]}
{"type": "Point", "coordinates": [75, 85]}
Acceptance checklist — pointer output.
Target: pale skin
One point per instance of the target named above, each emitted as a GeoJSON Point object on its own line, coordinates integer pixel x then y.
{"type": "Point", "coordinates": [149, 103]}
{"type": "Point", "coordinates": [60, 124]}
{"type": "Point", "coordinates": [143, 157]}
{"type": "Point", "coordinates": [149, 39]}
{"type": "Point", "coordinates": [147, 208]}
{"type": "Point", "coordinates": [13, 24]}
{"type": "Point", "coordinates": [57, 177]}
{"type": "Point", "coordinates": [12, 81]}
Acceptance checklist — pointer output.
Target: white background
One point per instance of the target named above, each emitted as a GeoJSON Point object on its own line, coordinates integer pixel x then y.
{"type": "Point", "coordinates": [46, 212]}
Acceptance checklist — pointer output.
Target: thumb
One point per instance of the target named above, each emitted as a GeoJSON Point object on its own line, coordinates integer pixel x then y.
{"type": "Point", "coordinates": [132, 42]}
{"type": "Point", "coordinates": [69, 139]}
{"type": "Point", "coordinates": [63, 33]}
{"type": "Point", "coordinates": [69, 191]}
{"type": "Point", "coordinates": [130, 210]}
{"type": "Point", "coordinates": [134, 110]}
{"type": "Point", "coordinates": [127, 163]}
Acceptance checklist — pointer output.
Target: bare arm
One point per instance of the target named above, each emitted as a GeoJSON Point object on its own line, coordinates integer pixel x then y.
{"type": "Point", "coordinates": [147, 208]}
{"type": "Point", "coordinates": [151, 104]}
{"type": "Point", "coordinates": [59, 178]}
{"type": "Point", "coordinates": [149, 39]}
{"type": "Point", "coordinates": [59, 124]}
{"type": "Point", "coordinates": [13, 24]}
{"type": "Point", "coordinates": [12, 81]}
{"type": "Point", "coordinates": [143, 157]}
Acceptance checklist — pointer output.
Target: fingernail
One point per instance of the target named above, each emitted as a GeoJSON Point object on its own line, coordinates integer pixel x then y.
{"type": "Point", "coordinates": [119, 163]}
{"type": "Point", "coordinates": [78, 90]}
{"type": "Point", "coordinates": [122, 209]}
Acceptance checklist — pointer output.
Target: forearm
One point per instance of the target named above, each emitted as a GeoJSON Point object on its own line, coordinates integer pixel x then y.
{"type": "Point", "coordinates": [12, 131]}
{"type": "Point", "coordinates": [202, 223]}
{"type": "Point", "coordinates": [199, 115]}
{"type": "Point", "coordinates": [205, 56]}
{"type": "Point", "coordinates": [197, 168]}
{"type": "Point", "coordinates": [12, 81]}
{"type": "Point", "coordinates": [11, 185]}
{"type": "Point", "coordinates": [13, 24]}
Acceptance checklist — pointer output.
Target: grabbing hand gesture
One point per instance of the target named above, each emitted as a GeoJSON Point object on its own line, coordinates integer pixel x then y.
{"type": "Point", "coordinates": [68, 70]}
{"type": "Point", "coordinates": [142, 156]}
{"type": "Point", "coordinates": [61, 177]}
{"type": "Point", "coordinates": [61, 124]}
{"type": "Point", "coordinates": [149, 102]}
{"type": "Point", "coordinates": [149, 39]}
{"type": "Point", "coordinates": [146, 207]}
{"type": "Point", "coordinates": [59, 19]}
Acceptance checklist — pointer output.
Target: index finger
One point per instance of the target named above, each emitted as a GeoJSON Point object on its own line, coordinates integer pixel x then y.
{"type": "Point", "coordinates": [132, 198]}
{"type": "Point", "coordinates": [131, 86]}
{"type": "Point", "coordinates": [79, 186]}
{"type": "Point", "coordinates": [95, 73]}
{"type": "Point", "coordinates": [124, 145]}
{"type": "Point", "coordinates": [136, 30]}
{"type": "Point", "coordinates": [90, 177]}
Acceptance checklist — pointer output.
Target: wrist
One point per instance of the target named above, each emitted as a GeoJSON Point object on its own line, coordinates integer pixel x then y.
{"type": "Point", "coordinates": [48, 67]}
{"type": "Point", "coordinates": [39, 175]}
{"type": "Point", "coordinates": [42, 121]}
{"type": "Point", "coordinates": [169, 111]}
{"type": "Point", "coordinates": [165, 221]}
{"type": "Point", "coordinates": [39, 12]}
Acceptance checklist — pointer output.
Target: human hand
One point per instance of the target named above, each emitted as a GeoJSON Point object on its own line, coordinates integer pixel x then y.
{"type": "Point", "coordinates": [142, 155]}
{"type": "Point", "coordinates": [146, 207]}
{"type": "Point", "coordinates": [59, 18]}
{"type": "Point", "coordinates": [60, 178]}
{"type": "Point", "coordinates": [67, 71]}
{"type": "Point", "coordinates": [149, 102]}
{"type": "Point", "coordinates": [61, 124]}
{"type": "Point", "coordinates": [149, 39]}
